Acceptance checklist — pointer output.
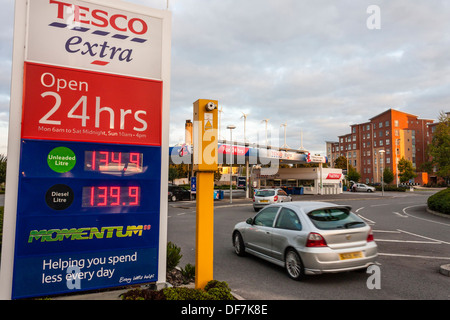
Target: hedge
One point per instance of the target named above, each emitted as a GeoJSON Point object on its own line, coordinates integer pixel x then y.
{"type": "Point", "coordinates": [440, 201]}
{"type": "Point", "coordinates": [214, 290]}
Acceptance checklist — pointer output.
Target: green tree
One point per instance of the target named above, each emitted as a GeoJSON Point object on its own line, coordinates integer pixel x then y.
{"type": "Point", "coordinates": [2, 168]}
{"type": "Point", "coordinates": [353, 175]}
{"type": "Point", "coordinates": [406, 170]}
{"type": "Point", "coordinates": [341, 163]}
{"type": "Point", "coordinates": [439, 149]}
{"type": "Point", "coordinates": [388, 175]}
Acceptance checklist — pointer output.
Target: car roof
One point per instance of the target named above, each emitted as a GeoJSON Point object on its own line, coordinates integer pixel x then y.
{"type": "Point", "coordinates": [308, 206]}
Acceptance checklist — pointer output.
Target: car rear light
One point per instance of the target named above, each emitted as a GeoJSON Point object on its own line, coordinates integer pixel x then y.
{"type": "Point", "coordinates": [315, 240]}
{"type": "Point", "coordinates": [370, 236]}
{"type": "Point", "coordinates": [275, 198]}
{"type": "Point", "coordinates": [253, 199]}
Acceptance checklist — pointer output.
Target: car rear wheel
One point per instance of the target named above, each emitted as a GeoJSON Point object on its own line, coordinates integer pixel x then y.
{"type": "Point", "coordinates": [238, 244]}
{"type": "Point", "coordinates": [294, 265]}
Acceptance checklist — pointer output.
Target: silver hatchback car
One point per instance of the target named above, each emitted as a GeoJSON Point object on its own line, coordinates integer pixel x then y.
{"type": "Point", "coordinates": [264, 197]}
{"type": "Point", "coordinates": [307, 238]}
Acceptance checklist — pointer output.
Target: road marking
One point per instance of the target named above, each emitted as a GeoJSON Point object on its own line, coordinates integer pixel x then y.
{"type": "Point", "coordinates": [386, 231]}
{"type": "Point", "coordinates": [418, 235]}
{"type": "Point", "coordinates": [422, 205]}
{"type": "Point", "coordinates": [412, 256]}
{"type": "Point", "coordinates": [408, 241]}
{"type": "Point", "coordinates": [400, 215]}
{"type": "Point", "coordinates": [379, 205]}
{"type": "Point", "coordinates": [359, 209]}
{"type": "Point", "coordinates": [368, 220]}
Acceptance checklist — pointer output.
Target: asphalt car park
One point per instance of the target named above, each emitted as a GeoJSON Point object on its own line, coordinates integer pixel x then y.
{"type": "Point", "coordinates": [412, 245]}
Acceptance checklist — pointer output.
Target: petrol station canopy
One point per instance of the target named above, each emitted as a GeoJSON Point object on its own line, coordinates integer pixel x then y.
{"type": "Point", "coordinates": [240, 153]}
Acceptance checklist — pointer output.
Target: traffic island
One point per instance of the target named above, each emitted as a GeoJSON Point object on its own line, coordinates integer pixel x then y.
{"type": "Point", "coordinates": [445, 270]}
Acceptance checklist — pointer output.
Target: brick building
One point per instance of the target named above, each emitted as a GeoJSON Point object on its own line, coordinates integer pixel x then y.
{"type": "Point", "coordinates": [398, 134]}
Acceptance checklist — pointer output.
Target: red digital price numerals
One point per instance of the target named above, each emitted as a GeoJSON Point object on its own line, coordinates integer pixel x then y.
{"type": "Point", "coordinates": [111, 196]}
{"type": "Point", "coordinates": [107, 161]}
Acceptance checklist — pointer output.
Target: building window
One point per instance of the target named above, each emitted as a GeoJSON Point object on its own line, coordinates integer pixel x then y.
{"type": "Point", "coordinates": [387, 123]}
{"type": "Point", "coordinates": [395, 123]}
{"type": "Point", "coordinates": [380, 125]}
{"type": "Point", "coordinates": [381, 143]}
{"type": "Point", "coordinates": [387, 142]}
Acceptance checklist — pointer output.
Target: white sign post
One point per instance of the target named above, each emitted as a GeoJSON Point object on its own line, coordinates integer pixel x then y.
{"type": "Point", "coordinates": [102, 39]}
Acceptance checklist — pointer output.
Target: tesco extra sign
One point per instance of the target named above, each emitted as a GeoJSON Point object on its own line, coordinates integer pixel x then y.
{"type": "Point", "coordinates": [91, 36]}
{"type": "Point", "coordinates": [100, 18]}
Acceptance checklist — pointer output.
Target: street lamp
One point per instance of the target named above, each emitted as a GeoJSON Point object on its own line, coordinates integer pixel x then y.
{"type": "Point", "coordinates": [244, 115]}
{"type": "Point", "coordinates": [231, 127]}
{"type": "Point", "coordinates": [285, 146]}
{"type": "Point", "coordinates": [266, 121]}
{"type": "Point", "coordinates": [381, 152]}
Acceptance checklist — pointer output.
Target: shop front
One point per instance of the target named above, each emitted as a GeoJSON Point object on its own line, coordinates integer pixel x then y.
{"type": "Point", "coordinates": [302, 180]}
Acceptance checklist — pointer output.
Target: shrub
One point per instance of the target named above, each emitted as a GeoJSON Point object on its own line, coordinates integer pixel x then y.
{"type": "Point", "coordinates": [1, 229]}
{"type": "Point", "coordinates": [214, 290]}
{"type": "Point", "coordinates": [173, 255]}
{"type": "Point", "coordinates": [440, 201]}
{"type": "Point", "coordinates": [219, 290]}
{"type": "Point", "coordinates": [188, 273]}
{"type": "Point", "coordinates": [183, 293]}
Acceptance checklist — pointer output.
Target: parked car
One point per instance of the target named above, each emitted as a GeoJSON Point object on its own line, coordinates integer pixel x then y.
{"type": "Point", "coordinates": [264, 197]}
{"type": "Point", "coordinates": [362, 187]}
{"type": "Point", "coordinates": [307, 238]}
{"type": "Point", "coordinates": [178, 193]}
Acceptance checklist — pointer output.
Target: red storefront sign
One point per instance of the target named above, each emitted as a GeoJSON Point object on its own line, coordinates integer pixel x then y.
{"type": "Point", "coordinates": [334, 176]}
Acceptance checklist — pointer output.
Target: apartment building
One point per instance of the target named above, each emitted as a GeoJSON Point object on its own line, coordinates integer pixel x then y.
{"type": "Point", "coordinates": [396, 134]}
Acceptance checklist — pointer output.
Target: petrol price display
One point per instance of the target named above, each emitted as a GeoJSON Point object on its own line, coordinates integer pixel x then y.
{"type": "Point", "coordinates": [111, 196]}
{"type": "Point", "coordinates": [109, 161]}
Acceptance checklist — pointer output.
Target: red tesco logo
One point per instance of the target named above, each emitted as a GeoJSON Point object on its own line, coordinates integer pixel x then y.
{"type": "Point", "coordinates": [100, 18]}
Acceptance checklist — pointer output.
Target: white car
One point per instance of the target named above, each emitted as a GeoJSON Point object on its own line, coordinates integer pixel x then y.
{"type": "Point", "coordinates": [307, 238]}
{"type": "Point", "coordinates": [363, 187]}
{"type": "Point", "coordinates": [264, 197]}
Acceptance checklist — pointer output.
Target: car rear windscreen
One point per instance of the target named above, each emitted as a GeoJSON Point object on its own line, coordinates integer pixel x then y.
{"type": "Point", "coordinates": [335, 218]}
{"type": "Point", "coordinates": [265, 193]}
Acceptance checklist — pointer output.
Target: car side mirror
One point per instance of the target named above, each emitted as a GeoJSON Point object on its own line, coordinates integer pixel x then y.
{"type": "Point", "coordinates": [249, 221]}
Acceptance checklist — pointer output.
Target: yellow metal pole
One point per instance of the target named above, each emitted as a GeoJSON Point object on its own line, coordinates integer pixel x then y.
{"type": "Point", "coordinates": [204, 240]}
{"type": "Point", "coordinates": [205, 164]}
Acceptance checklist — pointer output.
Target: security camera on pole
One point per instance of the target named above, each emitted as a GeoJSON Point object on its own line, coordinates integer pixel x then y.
{"type": "Point", "coordinates": [205, 164]}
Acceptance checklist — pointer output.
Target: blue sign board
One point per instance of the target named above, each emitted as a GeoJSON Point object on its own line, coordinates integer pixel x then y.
{"type": "Point", "coordinates": [96, 225]}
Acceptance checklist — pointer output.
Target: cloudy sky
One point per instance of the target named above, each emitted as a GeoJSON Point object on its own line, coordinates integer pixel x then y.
{"type": "Point", "coordinates": [314, 65]}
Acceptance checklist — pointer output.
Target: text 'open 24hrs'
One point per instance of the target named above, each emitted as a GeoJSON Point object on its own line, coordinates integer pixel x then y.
{"type": "Point", "coordinates": [67, 104]}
